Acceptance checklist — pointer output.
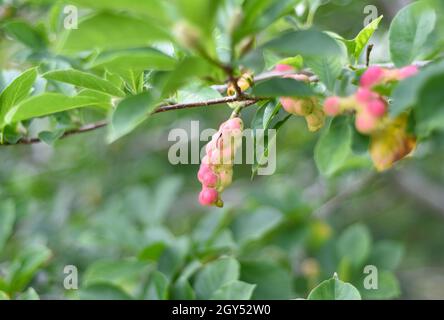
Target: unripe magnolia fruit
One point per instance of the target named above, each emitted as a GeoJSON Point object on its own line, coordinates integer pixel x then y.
{"type": "Point", "coordinates": [233, 124]}
{"type": "Point", "coordinates": [283, 68]}
{"type": "Point", "coordinates": [188, 35]}
{"type": "Point", "coordinates": [226, 177]}
{"type": "Point", "coordinates": [300, 107]}
{"type": "Point", "coordinates": [365, 95]}
{"type": "Point", "coordinates": [315, 120]}
{"type": "Point", "coordinates": [376, 108]}
{"type": "Point", "coordinates": [208, 197]}
{"type": "Point", "coordinates": [407, 72]}
{"type": "Point", "coordinates": [365, 122]}
{"type": "Point", "coordinates": [209, 179]}
{"type": "Point", "coordinates": [332, 106]}
{"type": "Point", "coordinates": [372, 77]}
{"type": "Point", "coordinates": [203, 170]}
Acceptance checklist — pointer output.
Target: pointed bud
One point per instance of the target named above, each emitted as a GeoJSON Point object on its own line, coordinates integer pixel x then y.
{"type": "Point", "coordinates": [332, 106]}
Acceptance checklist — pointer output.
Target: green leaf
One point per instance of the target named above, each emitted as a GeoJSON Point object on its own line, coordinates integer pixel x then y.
{"type": "Point", "coordinates": [29, 294]}
{"type": "Point", "coordinates": [182, 290]}
{"type": "Point", "coordinates": [307, 43]}
{"type": "Point", "coordinates": [214, 275]}
{"type": "Point", "coordinates": [47, 104]}
{"type": "Point", "coordinates": [196, 93]}
{"type": "Point", "coordinates": [173, 257]}
{"type": "Point", "coordinates": [253, 226]}
{"type": "Point", "coordinates": [272, 280]}
{"type": "Point", "coordinates": [209, 227]}
{"type": "Point", "coordinates": [386, 255]}
{"type": "Point", "coordinates": [357, 45]}
{"type": "Point", "coordinates": [7, 219]}
{"type": "Point", "coordinates": [157, 288]}
{"type": "Point", "coordinates": [49, 137]}
{"type": "Point", "coordinates": [84, 80]}
{"type": "Point", "coordinates": [126, 62]}
{"type": "Point", "coordinates": [334, 147]}
{"type": "Point", "coordinates": [152, 8]}
{"type": "Point", "coordinates": [103, 291]}
{"type": "Point", "coordinates": [328, 69]}
{"type": "Point", "coordinates": [334, 289]}
{"type": "Point", "coordinates": [16, 91]}
{"type": "Point", "coordinates": [152, 252]}
{"type": "Point", "coordinates": [387, 287]}
{"type": "Point", "coordinates": [409, 32]}
{"type": "Point", "coordinates": [27, 265]}
{"type": "Point", "coordinates": [354, 244]}
{"type": "Point", "coordinates": [125, 274]}
{"type": "Point", "coordinates": [110, 31]}
{"type": "Point", "coordinates": [26, 34]}
{"type": "Point", "coordinates": [430, 109]}
{"type": "Point", "coordinates": [185, 71]}
{"type": "Point", "coordinates": [3, 296]}
{"type": "Point", "coordinates": [406, 94]}
{"type": "Point", "coordinates": [234, 290]}
{"type": "Point", "coordinates": [283, 87]}
{"type": "Point", "coordinates": [201, 13]}
{"type": "Point", "coordinates": [260, 14]}
{"type": "Point", "coordinates": [129, 114]}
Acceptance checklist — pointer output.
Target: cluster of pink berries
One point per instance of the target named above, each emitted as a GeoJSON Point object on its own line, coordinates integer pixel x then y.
{"type": "Point", "coordinates": [216, 170]}
{"type": "Point", "coordinates": [308, 108]}
{"type": "Point", "coordinates": [370, 106]}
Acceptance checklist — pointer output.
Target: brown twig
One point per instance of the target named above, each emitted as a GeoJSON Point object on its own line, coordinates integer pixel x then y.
{"type": "Point", "coordinates": [221, 88]}
{"type": "Point", "coordinates": [178, 106]}
{"type": "Point", "coordinates": [83, 129]}
{"type": "Point", "coordinates": [368, 54]}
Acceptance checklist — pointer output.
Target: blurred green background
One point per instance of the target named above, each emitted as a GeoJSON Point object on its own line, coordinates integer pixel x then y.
{"type": "Point", "coordinates": [130, 221]}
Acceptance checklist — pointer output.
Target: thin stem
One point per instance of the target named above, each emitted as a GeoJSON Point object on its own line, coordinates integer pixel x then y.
{"type": "Point", "coordinates": [248, 101]}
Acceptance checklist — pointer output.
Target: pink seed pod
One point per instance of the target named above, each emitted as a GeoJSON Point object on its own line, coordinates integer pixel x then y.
{"type": "Point", "coordinates": [213, 142]}
{"type": "Point", "coordinates": [232, 124]}
{"type": "Point", "coordinates": [298, 107]}
{"type": "Point", "coordinates": [332, 106]}
{"type": "Point", "coordinates": [209, 179]}
{"type": "Point", "coordinates": [407, 72]}
{"type": "Point", "coordinates": [208, 196]}
{"type": "Point", "coordinates": [203, 170]}
{"type": "Point", "coordinates": [365, 122]}
{"type": "Point", "coordinates": [288, 104]}
{"type": "Point", "coordinates": [365, 95]}
{"type": "Point", "coordinates": [376, 108]}
{"type": "Point", "coordinates": [283, 68]}
{"type": "Point", "coordinates": [226, 177]}
{"type": "Point", "coordinates": [372, 77]}
{"type": "Point", "coordinates": [223, 156]}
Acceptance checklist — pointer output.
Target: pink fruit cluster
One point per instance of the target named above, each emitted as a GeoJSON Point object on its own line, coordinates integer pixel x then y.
{"type": "Point", "coordinates": [216, 170]}
{"type": "Point", "coordinates": [308, 108]}
{"type": "Point", "coordinates": [370, 106]}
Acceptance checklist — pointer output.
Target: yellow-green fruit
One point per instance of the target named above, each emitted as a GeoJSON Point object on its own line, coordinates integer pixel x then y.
{"type": "Point", "coordinates": [315, 120]}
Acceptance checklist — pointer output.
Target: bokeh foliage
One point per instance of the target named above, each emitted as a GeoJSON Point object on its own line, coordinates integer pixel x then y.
{"type": "Point", "coordinates": [129, 220]}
